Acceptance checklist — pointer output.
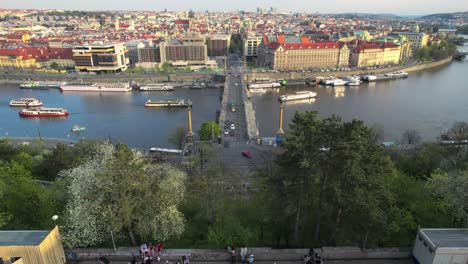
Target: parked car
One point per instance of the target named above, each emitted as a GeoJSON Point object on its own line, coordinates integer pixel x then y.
{"type": "Point", "coordinates": [246, 154]}
{"type": "Point", "coordinates": [233, 126]}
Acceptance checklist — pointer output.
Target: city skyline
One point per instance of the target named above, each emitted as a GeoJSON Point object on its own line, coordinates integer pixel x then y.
{"type": "Point", "coordinates": [399, 7]}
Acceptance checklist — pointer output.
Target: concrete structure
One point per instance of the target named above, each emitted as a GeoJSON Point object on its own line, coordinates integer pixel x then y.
{"type": "Point", "coordinates": [370, 54]}
{"type": "Point", "coordinates": [101, 58]}
{"type": "Point", "coordinates": [218, 45]}
{"type": "Point", "coordinates": [251, 44]}
{"type": "Point", "coordinates": [132, 51]}
{"type": "Point", "coordinates": [31, 247]}
{"type": "Point", "coordinates": [441, 246]}
{"type": "Point", "coordinates": [283, 53]}
{"type": "Point", "coordinates": [190, 52]}
{"type": "Point", "coordinates": [417, 39]}
{"type": "Point", "coordinates": [149, 55]}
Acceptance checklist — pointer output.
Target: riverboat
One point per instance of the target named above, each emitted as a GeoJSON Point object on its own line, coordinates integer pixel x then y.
{"type": "Point", "coordinates": [168, 103]}
{"type": "Point", "coordinates": [264, 85]}
{"type": "Point", "coordinates": [386, 76]}
{"type": "Point", "coordinates": [97, 87]}
{"type": "Point", "coordinates": [44, 112]}
{"type": "Point", "coordinates": [77, 128]}
{"type": "Point", "coordinates": [26, 102]}
{"type": "Point", "coordinates": [297, 96]}
{"type": "Point", "coordinates": [41, 85]}
{"type": "Point", "coordinates": [156, 87]}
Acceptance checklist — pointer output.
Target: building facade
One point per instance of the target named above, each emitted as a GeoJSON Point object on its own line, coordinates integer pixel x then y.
{"type": "Point", "coordinates": [251, 44]}
{"type": "Point", "coordinates": [417, 39]}
{"type": "Point", "coordinates": [217, 46]}
{"type": "Point", "coordinates": [371, 54]}
{"type": "Point", "coordinates": [282, 53]}
{"type": "Point", "coordinates": [101, 58]}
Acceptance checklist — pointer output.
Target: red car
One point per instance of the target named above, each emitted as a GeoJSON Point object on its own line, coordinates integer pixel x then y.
{"type": "Point", "coordinates": [246, 154]}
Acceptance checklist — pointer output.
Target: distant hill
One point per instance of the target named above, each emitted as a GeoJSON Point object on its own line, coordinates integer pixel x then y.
{"type": "Point", "coordinates": [455, 15]}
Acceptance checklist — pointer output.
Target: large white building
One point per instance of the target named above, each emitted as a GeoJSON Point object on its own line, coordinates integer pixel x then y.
{"type": "Point", "coordinates": [441, 246]}
{"type": "Point", "coordinates": [417, 39]}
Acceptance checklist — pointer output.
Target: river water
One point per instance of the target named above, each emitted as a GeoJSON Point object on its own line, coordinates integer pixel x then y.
{"type": "Point", "coordinates": [122, 117]}
{"type": "Point", "coordinates": [428, 101]}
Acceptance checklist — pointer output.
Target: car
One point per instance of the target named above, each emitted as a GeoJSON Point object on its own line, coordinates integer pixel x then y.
{"type": "Point", "coordinates": [226, 132]}
{"type": "Point", "coordinates": [226, 144]}
{"type": "Point", "coordinates": [246, 154]}
{"type": "Point", "coordinates": [233, 126]}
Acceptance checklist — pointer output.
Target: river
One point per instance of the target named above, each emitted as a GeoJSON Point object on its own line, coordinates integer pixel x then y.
{"type": "Point", "coordinates": [122, 117]}
{"type": "Point", "coordinates": [428, 102]}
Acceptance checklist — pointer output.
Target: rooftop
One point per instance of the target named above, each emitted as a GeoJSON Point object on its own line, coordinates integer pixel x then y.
{"type": "Point", "coordinates": [447, 237]}
{"type": "Point", "coordinates": [22, 237]}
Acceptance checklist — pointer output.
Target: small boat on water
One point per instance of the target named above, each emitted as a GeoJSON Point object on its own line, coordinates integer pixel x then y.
{"type": "Point", "coordinates": [169, 103]}
{"type": "Point", "coordinates": [77, 128]}
{"type": "Point", "coordinates": [156, 87]}
{"type": "Point", "coordinates": [26, 102]}
{"type": "Point", "coordinates": [97, 87]}
{"type": "Point", "coordinates": [297, 96]}
{"type": "Point", "coordinates": [44, 112]}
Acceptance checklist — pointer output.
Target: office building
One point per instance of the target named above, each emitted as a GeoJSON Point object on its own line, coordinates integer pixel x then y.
{"type": "Point", "coordinates": [101, 58]}
{"type": "Point", "coordinates": [371, 54]}
{"type": "Point", "coordinates": [218, 45]}
{"type": "Point", "coordinates": [251, 44]}
{"type": "Point", "coordinates": [417, 39]}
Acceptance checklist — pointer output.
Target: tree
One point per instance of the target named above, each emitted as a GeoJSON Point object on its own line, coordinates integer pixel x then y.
{"type": "Point", "coordinates": [410, 136]}
{"type": "Point", "coordinates": [228, 230]}
{"type": "Point", "coordinates": [335, 170]}
{"type": "Point", "coordinates": [458, 131]}
{"type": "Point", "coordinates": [209, 131]}
{"type": "Point", "coordinates": [109, 192]}
{"type": "Point", "coordinates": [54, 65]}
{"type": "Point", "coordinates": [177, 137]}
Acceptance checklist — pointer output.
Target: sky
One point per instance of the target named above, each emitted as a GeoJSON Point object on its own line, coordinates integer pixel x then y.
{"type": "Point", "coordinates": [400, 7]}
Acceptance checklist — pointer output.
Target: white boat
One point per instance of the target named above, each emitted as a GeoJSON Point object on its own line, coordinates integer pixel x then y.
{"type": "Point", "coordinates": [77, 128]}
{"type": "Point", "coordinates": [44, 112]}
{"type": "Point", "coordinates": [257, 90]}
{"type": "Point", "coordinates": [97, 87]}
{"type": "Point", "coordinates": [399, 75]}
{"type": "Point", "coordinates": [356, 83]}
{"type": "Point", "coordinates": [369, 78]}
{"type": "Point", "coordinates": [26, 102]}
{"type": "Point", "coordinates": [41, 85]}
{"type": "Point", "coordinates": [297, 96]}
{"type": "Point", "coordinates": [339, 82]}
{"type": "Point", "coordinates": [156, 87]}
{"type": "Point", "coordinates": [264, 85]}
{"type": "Point", "coordinates": [352, 80]}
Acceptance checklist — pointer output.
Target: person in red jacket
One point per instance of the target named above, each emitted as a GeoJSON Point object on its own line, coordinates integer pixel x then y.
{"type": "Point", "coordinates": [159, 247]}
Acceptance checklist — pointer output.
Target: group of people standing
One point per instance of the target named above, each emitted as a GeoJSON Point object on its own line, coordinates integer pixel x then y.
{"type": "Point", "coordinates": [148, 253]}
{"type": "Point", "coordinates": [244, 255]}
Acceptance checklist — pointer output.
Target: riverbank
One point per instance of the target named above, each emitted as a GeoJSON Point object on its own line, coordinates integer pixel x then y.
{"type": "Point", "coordinates": [20, 77]}
{"type": "Point", "coordinates": [312, 75]}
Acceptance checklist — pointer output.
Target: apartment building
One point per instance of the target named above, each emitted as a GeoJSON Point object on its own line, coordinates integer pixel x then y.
{"type": "Point", "coordinates": [290, 53]}
{"type": "Point", "coordinates": [101, 58]}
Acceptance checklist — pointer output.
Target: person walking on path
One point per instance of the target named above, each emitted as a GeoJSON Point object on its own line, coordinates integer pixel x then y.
{"type": "Point", "coordinates": [243, 254]}
{"type": "Point", "coordinates": [159, 248]}
{"type": "Point", "coordinates": [233, 255]}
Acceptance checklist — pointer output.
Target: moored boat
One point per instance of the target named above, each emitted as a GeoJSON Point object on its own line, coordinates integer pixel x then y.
{"type": "Point", "coordinates": [26, 102]}
{"type": "Point", "coordinates": [156, 87]}
{"type": "Point", "coordinates": [44, 112]}
{"type": "Point", "coordinates": [97, 87]}
{"type": "Point", "coordinates": [168, 103]}
{"type": "Point", "coordinates": [297, 96]}
{"type": "Point", "coordinates": [264, 85]}
{"type": "Point", "coordinates": [41, 85]}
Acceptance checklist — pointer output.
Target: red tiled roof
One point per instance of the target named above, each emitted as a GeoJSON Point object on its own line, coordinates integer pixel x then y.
{"type": "Point", "coordinates": [39, 53]}
{"type": "Point", "coordinates": [181, 22]}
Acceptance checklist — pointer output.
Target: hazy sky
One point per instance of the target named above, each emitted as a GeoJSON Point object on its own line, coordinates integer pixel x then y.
{"type": "Point", "coordinates": [406, 7]}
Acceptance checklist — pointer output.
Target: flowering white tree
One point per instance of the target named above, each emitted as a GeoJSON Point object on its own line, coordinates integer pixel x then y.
{"type": "Point", "coordinates": [117, 190]}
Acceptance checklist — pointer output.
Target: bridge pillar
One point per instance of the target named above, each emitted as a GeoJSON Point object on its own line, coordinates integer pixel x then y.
{"type": "Point", "coordinates": [280, 129]}
{"type": "Point", "coordinates": [189, 137]}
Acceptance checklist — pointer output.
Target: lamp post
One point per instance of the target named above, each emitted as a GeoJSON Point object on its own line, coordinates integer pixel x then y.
{"type": "Point", "coordinates": [54, 218]}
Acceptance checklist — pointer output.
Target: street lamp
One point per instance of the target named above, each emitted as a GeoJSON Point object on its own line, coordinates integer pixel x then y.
{"type": "Point", "coordinates": [54, 218]}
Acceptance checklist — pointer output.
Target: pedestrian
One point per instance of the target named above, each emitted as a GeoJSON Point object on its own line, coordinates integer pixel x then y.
{"type": "Point", "coordinates": [159, 247]}
{"type": "Point", "coordinates": [251, 259]}
{"type": "Point", "coordinates": [233, 255]}
{"type": "Point", "coordinates": [134, 260]}
{"type": "Point", "coordinates": [243, 254]}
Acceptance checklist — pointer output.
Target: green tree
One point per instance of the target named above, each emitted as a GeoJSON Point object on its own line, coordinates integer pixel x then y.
{"type": "Point", "coordinates": [110, 192]}
{"type": "Point", "coordinates": [228, 230]}
{"type": "Point", "coordinates": [336, 171]}
{"type": "Point", "coordinates": [209, 131]}
{"type": "Point", "coordinates": [177, 137]}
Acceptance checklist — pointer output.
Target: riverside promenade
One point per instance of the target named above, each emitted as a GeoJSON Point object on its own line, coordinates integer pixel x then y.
{"type": "Point", "coordinates": [261, 255]}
